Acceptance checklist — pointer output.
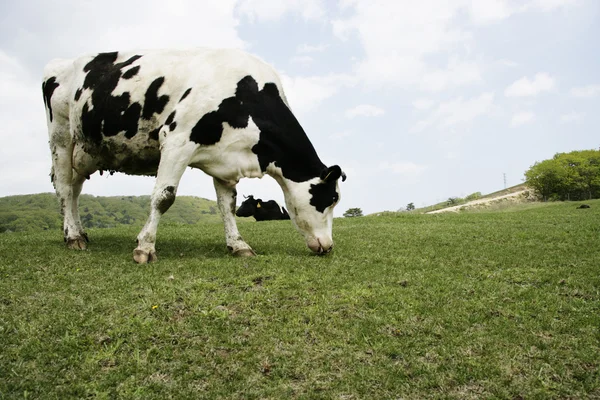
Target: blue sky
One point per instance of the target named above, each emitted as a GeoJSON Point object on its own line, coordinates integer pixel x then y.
{"type": "Point", "coordinates": [416, 101]}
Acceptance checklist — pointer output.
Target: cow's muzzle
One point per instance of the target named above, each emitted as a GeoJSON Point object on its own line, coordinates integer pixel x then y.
{"type": "Point", "coordinates": [320, 247]}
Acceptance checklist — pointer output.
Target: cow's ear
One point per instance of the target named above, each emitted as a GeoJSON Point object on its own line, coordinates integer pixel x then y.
{"type": "Point", "coordinates": [333, 173]}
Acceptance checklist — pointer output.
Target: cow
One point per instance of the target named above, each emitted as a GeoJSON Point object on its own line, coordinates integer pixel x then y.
{"type": "Point", "coordinates": [261, 210]}
{"type": "Point", "coordinates": [157, 112]}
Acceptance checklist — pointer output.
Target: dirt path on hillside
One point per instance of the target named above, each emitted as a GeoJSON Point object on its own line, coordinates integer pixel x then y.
{"type": "Point", "coordinates": [479, 202]}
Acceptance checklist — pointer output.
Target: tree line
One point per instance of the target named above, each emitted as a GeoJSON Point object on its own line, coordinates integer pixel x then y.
{"type": "Point", "coordinates": [42, 211]}
{"type": "Point", "coordinates": [567, 176]}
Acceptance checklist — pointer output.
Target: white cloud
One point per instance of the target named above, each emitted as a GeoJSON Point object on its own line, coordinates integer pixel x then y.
{"type": "Point", "coordinates": [302, 60]}
{"type": "Point", "coordinates": [421, 125]}
{"type": "Point", "coordinates": [409, 171]}
{"type": "Point", "coordinates": [303, 57]}
{"type": "Point", "coordinates": [456, 73]}
{"type": "Point", "coordinates": [403, 60]}
{"type": "Point", "coordinates": [457, 111]}
{"type": "Point", "coordinates": [524, 87]}
{"type": "Point", "coordinates": [307, 93]}
{"type": "Point", "coordinates": [508, 63]}
{"type": "Point", "coordinates": [586, 91]}
{"type": "Point", "coordinates": [490, 11]}
{"type": "Point", "coordinates": [427, 44]}
{"type": "Point", "coordinates": [522, 118]}
{"type": "Point", "coordinates": [270, 10]}
{"type": "Point", "coordinates": [306, 48]}
{"type": "Point", "coordinates": [463, 111]}
{"type": "Point", "coordinates": [423, 104]}
{"type": "Point", "coordinates": [572, 117]}
{"type": "Point", "coordinates": [364, 110]}
{"type": "Point", "coordinates": [403, 168]}
{"type": "Point", "coordinates": [550, 5]}
{"type": "Point", "coordinates": [339, 135]}
{"type": "Point", "coordinates": [486, 11]}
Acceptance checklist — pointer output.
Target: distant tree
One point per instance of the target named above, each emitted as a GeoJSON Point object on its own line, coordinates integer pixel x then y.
{"type": "Point", "coordinates": [410, 206]}
{"type": "Point", "coordinates": [473, 196]}
{"type": "Point", "coordinates": [353, 212]}
{"type": "Point", "coordinates": [453, 201]}
{"type": "Point", "coordinates": [86, 220]}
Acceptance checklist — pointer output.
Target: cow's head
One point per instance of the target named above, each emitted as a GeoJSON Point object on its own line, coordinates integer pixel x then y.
{"type": "Point", "coordinates": [310, 205]}
{"type": "Point", "coordinates": [248, 207]}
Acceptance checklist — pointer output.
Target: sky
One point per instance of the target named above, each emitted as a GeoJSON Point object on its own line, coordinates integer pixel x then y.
{"type": "Point", "coordinates": [416, 101]}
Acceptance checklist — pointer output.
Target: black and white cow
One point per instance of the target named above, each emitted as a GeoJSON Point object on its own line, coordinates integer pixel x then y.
{"type": "Point", "coordinates": [261, 210]}
{"type": "Point", "coordinates": [158, 112]}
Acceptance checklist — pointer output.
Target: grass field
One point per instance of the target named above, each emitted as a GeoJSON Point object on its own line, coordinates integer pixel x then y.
{"type": "Point", "coordinates": [467, 306]}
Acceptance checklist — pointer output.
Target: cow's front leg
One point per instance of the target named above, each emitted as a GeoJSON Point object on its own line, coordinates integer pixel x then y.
{"type": "Point", "coordinates": [226, 199]}
{"type": "Point", "coordinates": [168, 176]}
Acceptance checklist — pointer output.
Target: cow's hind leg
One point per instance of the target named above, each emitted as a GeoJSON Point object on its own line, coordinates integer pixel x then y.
{"type": "Point", "coordinates": [226, 199]}
{"type": "Point", "coordinates": [68, 186]}
{"type": "Point", "coordinates": [77, 185]}
{"type": "Point", "coordinates": [171, 168]}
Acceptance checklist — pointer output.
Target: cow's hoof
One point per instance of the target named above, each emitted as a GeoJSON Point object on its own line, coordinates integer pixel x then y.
{"type": "Point", "coordinates": [78, 243]}
{"type": "Point", "coordinates": [244, 253]}
{"type": "Point", "coordinates": [144, 257]}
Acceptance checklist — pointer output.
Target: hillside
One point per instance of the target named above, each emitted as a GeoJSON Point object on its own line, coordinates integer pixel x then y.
{"type": "Point", "coordinates": [41, 211]}
{"type": "Point", "coordinates": [517, 193]}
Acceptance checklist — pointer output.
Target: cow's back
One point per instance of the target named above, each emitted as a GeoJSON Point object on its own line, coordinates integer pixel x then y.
{"type": "Point", "coordinates": [122, 105]}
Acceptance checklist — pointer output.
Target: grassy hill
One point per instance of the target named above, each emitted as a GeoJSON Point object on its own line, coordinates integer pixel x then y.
{"type": "Point", "coordinates": [450, 306]}
{"type": "Point", "coordinates": [41, 211]}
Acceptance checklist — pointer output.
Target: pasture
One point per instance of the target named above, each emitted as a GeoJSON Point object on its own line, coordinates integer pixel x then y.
{"type": "Point", "coordinates": [502, 304]}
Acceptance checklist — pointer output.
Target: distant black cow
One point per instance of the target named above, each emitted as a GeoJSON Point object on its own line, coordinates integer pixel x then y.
{"type": "Point", "coordinates": [584, 206]}
{"type": "Point", "coordinates": [261, 210]}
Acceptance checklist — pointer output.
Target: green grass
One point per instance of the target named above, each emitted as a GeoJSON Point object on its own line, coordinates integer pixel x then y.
{"type": "Point", "coordinates": [451, 306]}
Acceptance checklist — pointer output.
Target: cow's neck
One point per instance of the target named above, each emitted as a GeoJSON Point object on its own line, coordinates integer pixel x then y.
{"type": "Point", "coordinates": [290, 156]}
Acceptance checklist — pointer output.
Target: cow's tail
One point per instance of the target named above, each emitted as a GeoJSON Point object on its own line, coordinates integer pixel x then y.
{"type": "Point", "coordinates": [285, 213]}
{"type": "Point", "coordinates": [55, 94]}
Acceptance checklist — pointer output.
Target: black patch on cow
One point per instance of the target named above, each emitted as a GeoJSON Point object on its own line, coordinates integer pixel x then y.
{"type": "Point", "coordinates": [185, 94]}
{"type": "Point", "coordinates": [78, 94]}
{"type": "Point", "coordinates": [209, 129]}
{"type": "Point", "coordinates": [130, 73]}
{"type": "Point", "coordinates": [153, 135]}
{"type": "Point", "coordinates": [282, 139]}
{"type": "Point", "coordinates": [48, 89]}
{"type": "Point", "coordinates": [170, 121]}
{"type": "Point", "coordinates": [109, 114]}
{"type": "Point", "coordinates": [170, 118]}
{"type": "Point", "coordinates": [167, 199]}
{"type": "Point", "coordinates": [323, 195]}
{"type": "Point", "coordinates": [153, 104]}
